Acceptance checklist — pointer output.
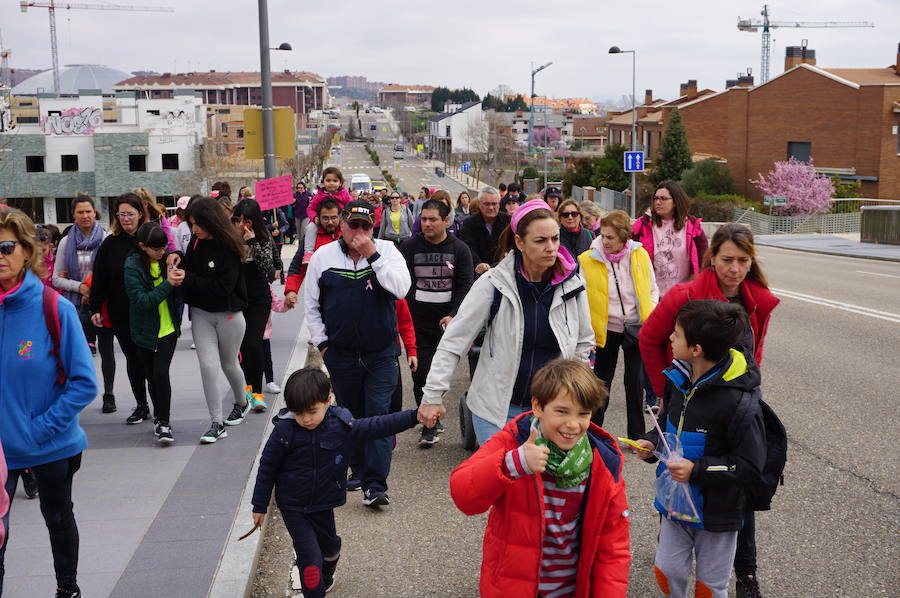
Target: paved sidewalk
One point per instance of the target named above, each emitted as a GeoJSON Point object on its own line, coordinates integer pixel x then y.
{"type": "Point", "coordinates": [832, 245]}
{"type": "Point", "coordinates": [153, 520]}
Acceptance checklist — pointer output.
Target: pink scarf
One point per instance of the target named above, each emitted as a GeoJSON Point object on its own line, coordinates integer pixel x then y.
{"type": "Point", "coordinates": [616, 257]}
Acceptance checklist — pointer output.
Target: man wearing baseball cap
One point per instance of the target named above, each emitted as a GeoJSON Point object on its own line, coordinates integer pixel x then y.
{"type": "Point", "coordinates": [350, 300]}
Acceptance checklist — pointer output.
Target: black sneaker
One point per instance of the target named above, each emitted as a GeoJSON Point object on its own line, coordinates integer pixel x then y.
{"type": "Point", "coordinates": [109, 403]}
{"type": "Point", "coordinates": [29, 484]}
{"type": "Point", "coordinates": [74, 592]}
{"type": "Point", "coordinates": [328, 568]}
{"type": "Point", "coordinates": [375, 498]}
{"type": "Point", "coordinates": [354, 484]}
{"type": "Point", "coordinates": [429, 437]}
{"type": "Point", "coordinates": [439, 427]}
{"type": "Point", "coordinates": [93, 348]}
{"type": "Point", "coordinates": [216, 431]}
{"type": "Point", "coordinates": [163, 432]}
{"type": "Point", "coordinates": [237, 414]}
{"type": "Point", "coordinates": [140, 413]}
{"type": "Point", "coordinates": [747, 586]}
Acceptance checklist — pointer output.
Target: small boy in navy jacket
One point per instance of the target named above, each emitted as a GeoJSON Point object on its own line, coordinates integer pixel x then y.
{"type": "Point", "coordinates": [306, 460]}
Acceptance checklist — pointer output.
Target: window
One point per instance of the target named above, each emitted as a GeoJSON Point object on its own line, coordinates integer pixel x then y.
{"type": "Point", "coordinates": [27, 119]}
{"type": "Point", "coordinates": [448, 131]}
{"type": "Point", "coordinates": [137, 163]}
{"type": "Point", "coordinates": [153, 112]}
{"type": "Point", "coordinates": [64, 210]}
{"type": "Point", "coordinates": [34, 163]}
{"type": "Point", "coordinates": [224, 111]}
{"type": "Point", "coordinates": [33, 206]}
{"type": "Point", "coordinates": [240, 133]}
{"type": "Point", "coordinates": [69, 162]}
{"type": "Point", "coordinates": [224, 128]}
{"type": "Point", "coordinates": [799, 150]}
{"type": "Point", "coordinates": [170, 161]}
{"type": "Point", "coordinates": [54, 113]}
{"type": "Point", "coordinates": [648, 146]}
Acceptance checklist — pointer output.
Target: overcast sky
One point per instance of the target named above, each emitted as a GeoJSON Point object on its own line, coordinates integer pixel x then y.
{"type": "Point", "coordinates": [475, 43]}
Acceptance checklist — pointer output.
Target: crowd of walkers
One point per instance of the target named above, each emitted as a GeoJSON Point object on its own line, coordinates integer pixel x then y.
{"type": "Point", "coordinates": [532, 290]}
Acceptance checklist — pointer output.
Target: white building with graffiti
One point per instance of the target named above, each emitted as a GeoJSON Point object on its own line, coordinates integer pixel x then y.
{"type": "Point", "coordinates": [78, 146]}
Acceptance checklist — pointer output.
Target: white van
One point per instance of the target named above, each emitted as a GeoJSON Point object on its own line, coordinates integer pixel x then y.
{"type": "Point", "coordinates": [361, 183]}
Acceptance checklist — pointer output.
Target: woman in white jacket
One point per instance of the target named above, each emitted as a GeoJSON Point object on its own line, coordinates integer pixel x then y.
{"type": "Point", "coordinates": [535, 309]}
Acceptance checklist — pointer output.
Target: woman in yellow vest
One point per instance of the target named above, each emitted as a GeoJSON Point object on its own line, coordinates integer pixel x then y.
{"type": "Point", "coordinates": [621, 289]}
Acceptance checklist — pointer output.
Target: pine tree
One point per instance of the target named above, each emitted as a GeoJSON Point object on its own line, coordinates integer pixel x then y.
{"type": "Point", "coordinates": [674, 155]}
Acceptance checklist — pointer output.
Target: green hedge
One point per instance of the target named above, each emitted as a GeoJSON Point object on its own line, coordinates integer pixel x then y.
{"type": "Point", "coordinates": [720, 208]}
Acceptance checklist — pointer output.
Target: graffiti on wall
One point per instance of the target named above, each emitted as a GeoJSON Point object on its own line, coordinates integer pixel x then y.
{"type": "Point", "coordinates": [72, 121]}
{"type": "Point", "coordinates": [179, 119]}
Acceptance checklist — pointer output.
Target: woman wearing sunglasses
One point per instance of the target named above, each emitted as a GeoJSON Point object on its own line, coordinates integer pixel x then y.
{"type": "Point", "coordinates": [572, 235]}
{"type": "Point", "coordinates": [39, 416]}
{"type": "Point", "coordinates": [109, 302]}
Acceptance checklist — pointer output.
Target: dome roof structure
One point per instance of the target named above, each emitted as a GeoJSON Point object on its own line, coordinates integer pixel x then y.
{"type": "Point", "coordinates": [72, 77]}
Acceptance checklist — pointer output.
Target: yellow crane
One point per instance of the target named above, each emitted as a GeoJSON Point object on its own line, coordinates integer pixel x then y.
{"type": "Point", "coordinates": [52, 6]}
{"type": "Point", "coordinates": [754, 25]}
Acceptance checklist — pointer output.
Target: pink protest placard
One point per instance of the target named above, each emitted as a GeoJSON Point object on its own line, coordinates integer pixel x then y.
{"type": "Point", "coordinates": [275, 192]}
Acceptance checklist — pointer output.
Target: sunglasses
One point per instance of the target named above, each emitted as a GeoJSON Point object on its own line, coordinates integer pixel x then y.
{"type": "Point", "coordinates": [356, 225]}
{"type": "Point", "coordinates": [569, 214]}
{"type": "Point", "coordinates": [8, 247]}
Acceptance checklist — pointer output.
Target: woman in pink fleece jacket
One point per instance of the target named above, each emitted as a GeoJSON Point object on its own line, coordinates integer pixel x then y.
{"type": "Point", "coordinates": [332, 185]}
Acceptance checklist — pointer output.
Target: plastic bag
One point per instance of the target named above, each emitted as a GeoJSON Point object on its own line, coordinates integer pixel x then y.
{"type": "Point", "coordinates": [673, 497]}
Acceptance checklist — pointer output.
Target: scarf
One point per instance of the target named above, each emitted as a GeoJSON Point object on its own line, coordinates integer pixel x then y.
{"type": "Point", "coordinates": [570, 467]}
{"type": "Point", "coordinates": [616, 257]}
{"type": "Point", "coordinates": [78, 242]}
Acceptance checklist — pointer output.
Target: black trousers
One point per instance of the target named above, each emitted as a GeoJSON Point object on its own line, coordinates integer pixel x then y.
{"type": "Point", "coordinates": [137, 378]}
{"type": "Point", "coordinates": [315, 539]}
{"type": "Point", "coordinates": [605, 369]}
{"type": "Point", "coordinates": [106, 349]}
{"type": "Point", "coordinates": [156, 364]}
{"type": "Point", "coordinates": [252, 359]}
{"type": "Point", "coordinates": [428, 335]}
{"type": "Point", "coordinates": [745, 556]}
{"type": "Point", "coordinates": [268, 369]}
{"type": "Point", "coordinates": [54, 482]}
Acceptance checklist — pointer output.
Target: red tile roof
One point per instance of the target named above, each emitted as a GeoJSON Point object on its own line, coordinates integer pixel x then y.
{"type": "Point", "coordinates": [408, 88]}
{"type": "Point", "coordinates": [218, 79]}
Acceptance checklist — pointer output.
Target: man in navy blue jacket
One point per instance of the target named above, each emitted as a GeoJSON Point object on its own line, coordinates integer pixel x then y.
{"type": "Point", "coordinates": [350, 300]}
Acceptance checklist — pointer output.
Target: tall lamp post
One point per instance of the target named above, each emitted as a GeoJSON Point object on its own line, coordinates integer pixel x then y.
{"type": "Point", "coordinates": [534, 71]}
{"type": "Point", "coordinates": [617, 50]}
{"type": "Point", "coordinates": [265, 69]}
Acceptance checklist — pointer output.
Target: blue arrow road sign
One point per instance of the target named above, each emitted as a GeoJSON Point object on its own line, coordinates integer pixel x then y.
{"type": "Point", "coordinates": [634, 161]}
{"type": "Point", "coordinates": [466, 167]}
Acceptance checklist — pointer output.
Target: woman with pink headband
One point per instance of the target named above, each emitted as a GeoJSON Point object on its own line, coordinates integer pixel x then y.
{"type": "Point", "coordinates": [534, 308]}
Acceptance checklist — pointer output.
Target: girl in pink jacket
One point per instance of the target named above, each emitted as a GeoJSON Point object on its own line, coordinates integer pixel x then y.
{"type": "Point", "coordinates": [332, 185]}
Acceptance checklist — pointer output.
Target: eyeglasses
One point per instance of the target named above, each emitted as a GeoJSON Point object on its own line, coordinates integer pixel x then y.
{"type": "Point", "coordinates": [356, 224]}
{"type": "Point", "coordinates": [569, 214]}
{"type": "Point", "coordinates": [163, 248]}
{"type": "Point", "coordinates": [127, 215]}
{"type": "Point", "coordinates": [490, 204]}
{"type": "Point", "coordinates": [661, 198]}
{"type": "Point", "coordinates": [8, 247]}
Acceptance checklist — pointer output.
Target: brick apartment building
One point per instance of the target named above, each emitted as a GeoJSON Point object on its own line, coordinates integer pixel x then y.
{"type": "Point", "coordinates": [845, 119]}
{"type": "Point", "coordinates": [405, 95]}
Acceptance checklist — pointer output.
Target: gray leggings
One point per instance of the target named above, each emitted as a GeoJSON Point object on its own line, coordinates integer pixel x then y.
{"type": "Point", "coordinates": [217, 336]}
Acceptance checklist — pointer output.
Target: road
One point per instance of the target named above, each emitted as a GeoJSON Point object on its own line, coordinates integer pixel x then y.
{"type": "Point", "coordinates": [830, 372]}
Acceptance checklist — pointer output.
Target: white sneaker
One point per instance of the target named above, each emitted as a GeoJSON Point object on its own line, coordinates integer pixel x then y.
{"type": "Point", "coordinates": [273, 388]}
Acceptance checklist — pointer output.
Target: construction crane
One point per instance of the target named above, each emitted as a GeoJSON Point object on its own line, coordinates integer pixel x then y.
{"type": "Point", "coordinates": [754, 25]}
{"type": "Point", "coordinates": [52, 6]}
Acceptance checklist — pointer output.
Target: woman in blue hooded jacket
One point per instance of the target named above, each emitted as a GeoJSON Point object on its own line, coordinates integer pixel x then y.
{"type": "Point", "coordinates": [42, 392]}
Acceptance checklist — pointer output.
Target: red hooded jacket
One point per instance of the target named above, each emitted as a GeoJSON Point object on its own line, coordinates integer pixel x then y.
{"type": "Point", "coordinates": [656, 350]}
{"type": "Point", "coordinates": [512, 540]}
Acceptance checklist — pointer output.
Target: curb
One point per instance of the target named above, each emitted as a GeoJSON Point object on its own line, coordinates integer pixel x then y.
{"type": "Point", "coordinates": [235, 572]}
{"type": "Point", "coordinates": [879, 258]}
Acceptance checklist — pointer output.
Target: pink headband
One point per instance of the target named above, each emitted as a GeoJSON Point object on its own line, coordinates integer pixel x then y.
{"type": "Point", "coordinates": [525, 208]}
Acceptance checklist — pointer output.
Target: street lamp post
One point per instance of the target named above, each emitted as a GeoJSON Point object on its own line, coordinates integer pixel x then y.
{"type": "Point", "coordinates": [534, 71]}
{"type": "Point", "coordinates": [265, 72]}
{"type": "Point", "coordinates": [617, 50]}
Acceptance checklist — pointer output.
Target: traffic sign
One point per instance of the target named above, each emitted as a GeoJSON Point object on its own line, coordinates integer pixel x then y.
{"type": "Point", "coordinates": [466, 167]}
{"type": "Point", "coordinates": [634, 161]}
{"type": "Point", "coordinates": [770, 200]}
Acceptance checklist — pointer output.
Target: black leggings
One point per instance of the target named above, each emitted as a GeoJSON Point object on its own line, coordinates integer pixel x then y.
{"type": "Point", "coordinates": [136, 376]}
{"type": "Point", "coordinates": [106, 349]}
{"type": "Point", "coordinates": [54, 482]}
{"type": "Point", "coordinates": [268, 370]}
{"type": "Point", "coordinates": [255, 317]}
{"type": "Point", "coordinates": [605, 369]}
{"type": "Point", "coordinates": [156, 364]}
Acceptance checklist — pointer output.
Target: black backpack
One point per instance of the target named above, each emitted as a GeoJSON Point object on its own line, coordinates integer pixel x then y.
{"type": "Point", "coordinates": [760, 491]}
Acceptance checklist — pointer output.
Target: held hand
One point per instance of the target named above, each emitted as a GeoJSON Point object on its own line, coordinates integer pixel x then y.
{"type": "Point", "coordinates": [84, 290]}
{"type": "Point", "coordinates": [290, 299]}
{"type": "Point", "coordinates": [175, 277]}
{"type": "Point", "coordinates": [482, 268]}
{"type": "Point", "coordinates": [97, 320]}
{"type": "Point", "coordinates": [258, 519]}
{"type": "Point", "coordinates": [535, 455]}
{"type": "Point", "coordinates": [413, 363]}
{"type": "Point", "coordinates": [445, 321]}
{"type": "Point", "coordinates": [681, 469]}
{"type": "Point", "coordinates": [362, 244]}
{"type": "Point", "coordinates": [275, 232]}
{"type": "Point", "coordinates": [644, 455]}
{"type": "Point", "coordinates": [173, 259]}
{"type": "Point", "coordinates": [429, 414]}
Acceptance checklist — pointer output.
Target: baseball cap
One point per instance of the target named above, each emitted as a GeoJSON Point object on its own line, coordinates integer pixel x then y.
{"type": "Point", "coordinates": [358, 210]}
{"type": "Point", "coordinates": [552, 192]}
{"type": "Point", "coordinates": [183, 202]}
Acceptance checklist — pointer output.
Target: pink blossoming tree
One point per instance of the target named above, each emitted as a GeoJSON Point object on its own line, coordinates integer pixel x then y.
{"type": "Point", "coordinates": [806, 192]}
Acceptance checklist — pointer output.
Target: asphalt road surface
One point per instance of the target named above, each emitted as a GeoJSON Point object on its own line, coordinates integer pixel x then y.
{"type": "Point", "coordinates": [830, 372]}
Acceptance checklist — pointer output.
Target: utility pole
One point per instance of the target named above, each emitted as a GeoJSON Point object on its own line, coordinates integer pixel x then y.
{"type": "Point", "coordinates": [534, 71]}
{"type": "Point", "coordinates": [617, 50]}
{"type": "Point", "coordinates": [266, 83]}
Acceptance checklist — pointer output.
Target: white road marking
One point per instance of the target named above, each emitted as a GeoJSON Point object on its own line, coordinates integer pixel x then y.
{"type": "Point", "coordinates": [878, 274]}
{"type": "Point", "coordinates": [849, 307]}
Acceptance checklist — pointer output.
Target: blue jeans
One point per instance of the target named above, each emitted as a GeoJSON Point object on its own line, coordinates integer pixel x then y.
{"type": "Point", "coordinates": [364, 383]}
{"type": "Point", "coordinates": [485, 429]}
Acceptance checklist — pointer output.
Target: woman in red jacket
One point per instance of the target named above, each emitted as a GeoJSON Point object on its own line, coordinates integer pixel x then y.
{"type": "Point", "coordinates": [730, 273]}
{"type": "Point", "coordinates": [547, 473]}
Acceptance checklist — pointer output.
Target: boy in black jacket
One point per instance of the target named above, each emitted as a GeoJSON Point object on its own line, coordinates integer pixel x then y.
{"type": "Point", "coordinates": [706, 381]}
{"type": "Point", "coordinates": [306, 460]}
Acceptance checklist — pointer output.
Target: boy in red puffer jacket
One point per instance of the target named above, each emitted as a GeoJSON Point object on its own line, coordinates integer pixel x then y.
{"type": "Point", "coordinates": [576, 542]}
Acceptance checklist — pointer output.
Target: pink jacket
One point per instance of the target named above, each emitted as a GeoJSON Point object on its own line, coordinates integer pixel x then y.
{"type": "Point", "coordinates": [342, 196]}
{"type": "Point", "coordinates": [4, 497]}
{"type": "Point", "coordinates": [696, 239]}
{"type": "Point", "coordinates": [277, 305]}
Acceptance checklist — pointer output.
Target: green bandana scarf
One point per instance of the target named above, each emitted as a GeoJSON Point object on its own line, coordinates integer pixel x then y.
{"type": "Point", "coordinates": [570, 467]}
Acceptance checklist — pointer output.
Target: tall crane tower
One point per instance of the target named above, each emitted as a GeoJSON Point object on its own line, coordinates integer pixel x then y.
{"type": "Point", "coordinates": [754, 25]}
{"type": "Point", "coordinates": [52, 5]}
